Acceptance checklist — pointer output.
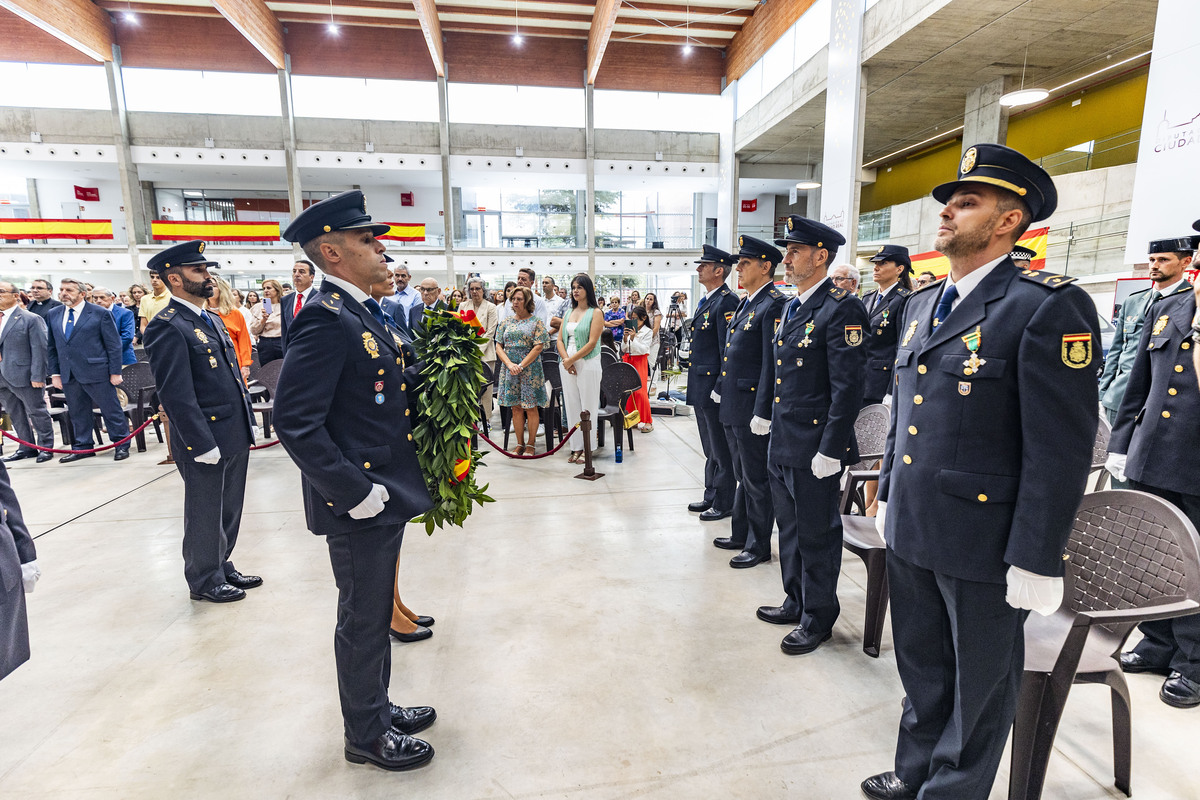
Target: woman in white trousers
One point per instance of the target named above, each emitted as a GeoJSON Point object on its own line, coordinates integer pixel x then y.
{"type": "Point", "coordinates": [579, 348]}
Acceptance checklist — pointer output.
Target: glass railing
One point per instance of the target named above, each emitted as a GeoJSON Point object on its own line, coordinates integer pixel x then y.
{"type": "Point", "coordinates": [1088, 247]}
{"type": "Point", "coordinates": [1120, 148]}
{"type": "Point", "coordinates": [875, 226]}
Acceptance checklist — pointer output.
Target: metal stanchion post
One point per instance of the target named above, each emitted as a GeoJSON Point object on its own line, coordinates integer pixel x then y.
{"type": "Point", "coordinates": [162, 414]}
{"type": "Point", "coordinates": [585, 426]}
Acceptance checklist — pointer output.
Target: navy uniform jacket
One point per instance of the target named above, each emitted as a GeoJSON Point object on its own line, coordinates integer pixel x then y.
{"type": "Point", "coordinates": [709, 327]}
{"type": "Point", "coordinates": [199, 383]}
{"type": "Point", "coordinates": [94, 351]}
{"type": "Point", "coordinates": [882, 338]}
{"type": "Point", "coordinates": [986, 470]}
{"type": "Point", "coordinates": [747, 381]}
{"type": "Point", "coordinates": [342, 414]}
{"type": "Point", "coordinates": [1157, 423]}
{"type": "Point", "coordinates": [818, 378]}
{"type": "Point", "coordinates": [1124, 347]}
{"type": "Point", "coordinates": [16, 548]}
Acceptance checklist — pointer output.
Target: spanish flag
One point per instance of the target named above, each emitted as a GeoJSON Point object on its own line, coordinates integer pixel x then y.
{"type": "Point", "coordinates": [165, 230]}
{"type": "Point", "coordinates": [933, 261]}
{"type": "Point", "coordinates": [405, 232]}
{"type": "Point", "coordinates": [56, 229]}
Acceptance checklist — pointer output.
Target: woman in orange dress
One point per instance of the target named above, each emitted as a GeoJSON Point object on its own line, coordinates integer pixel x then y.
{"type": "Point", "coordinates": [638, 344]}
{"type": "Point", "coordinates": [226, 307]}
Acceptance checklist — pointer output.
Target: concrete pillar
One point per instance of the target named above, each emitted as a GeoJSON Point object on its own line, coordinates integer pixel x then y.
{"type": "Point", "coordinates": [295, 192]}
{"type": "Point", "coordinates": [35, 206]}
{"type": "Point", "coordinates": [984, 119]}
{"type": "Point", "coordinates": [841, 158]}
{"type": "Point", "coordinates": [447, 199]}
{"type": "Point", "coordinates": [589, 136]}
{"type": "Point", "coordinates": [137, 226]}
{"type": "Point", "coordinates": [728, 199]}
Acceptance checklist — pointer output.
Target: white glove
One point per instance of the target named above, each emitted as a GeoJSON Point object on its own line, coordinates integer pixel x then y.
{"type": "Point", "coordinates": [211, 457]}
{"type": "Point", "coordinates": [1035, 592]}
{"type": "Point", "coordinates": [716, 398]}
{"type": "Point", "coordinates": [760, 426]}
{"type": "Point", "coordinates": [255, 433]}
{"type": "Point", "coordinates": [372, 504]}
{"type": "Point", "coordinates": [880, 512]}
{"type": "Point", "coordinates": [1115, 464]}
{"type": "Point", "coordinates": [887, 400]}
{"type": "Point", "coordinates": [30, 573]}
{"type": "Point", "coordinates": [824, 466]}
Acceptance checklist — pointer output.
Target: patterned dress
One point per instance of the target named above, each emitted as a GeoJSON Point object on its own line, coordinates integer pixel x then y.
{"type": "Point", "coordinates": [518, 337]}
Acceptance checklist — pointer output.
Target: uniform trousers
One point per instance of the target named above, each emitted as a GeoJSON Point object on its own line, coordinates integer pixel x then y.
{"type": "Point", "coordinates": [810, 544]}
{"type": "Point", "coordinates": [81, 398]}
{"type": "Point", "coordinates": [364, 567]}
{"type": "Point", "coordinates": [753, 511]}
{"type": "Point", "coordinates": [1173, 643]}
{"type": "Point", "coordinates": [25, 405]}
{"type": "Point", "coordinates": [960, 651]}
{"type": "Point", "coordinates": [581, 392]}
{"type": "Point", "coordinates": [719, 483]}
{"type": "Point", "coordinates": [212, 515]}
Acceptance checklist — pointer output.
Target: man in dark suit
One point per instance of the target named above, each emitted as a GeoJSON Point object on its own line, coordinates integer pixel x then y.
{"type": "Point", "coordinates": [200, 387]}
{"type": "Point", "coordinates": [709, 326]}
{"type": "Point", "coordinates": [431, 300]}
{"type": "Point", "coordinates": [993, 420]}
{"type": "Point", "coordinates": [85, 362]}
{"type": "Point", "coordinates": [123, 318]}
{"type": "Point", "coordinates": [1155, 445]}
{"type": "Point", "coordinates": [19, 572]}
{"type": "Point", "coordinates": [819, 358]}
{"type": "Point", "coordinates": [893, 277]}
{"type": "Point", "coordinates": [744, 391]}
{"type": "Point", "coordinates": [303, 274]}
{"type": "Point", "coordinates": [343, 416]}
{"type": "Point", "coordinates": [23, 373]}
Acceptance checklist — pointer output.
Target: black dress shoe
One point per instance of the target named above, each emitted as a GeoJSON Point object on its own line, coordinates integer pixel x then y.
{"type": "Point", "coordinates": [393, 751]}
{"type": "Point", "coordinates": [67, 459]}
{"type": "Point", "coordinates": [1134, 663]}
{"type": "Point", "coordinates": [44, 457]}
{"type": "Point", "coordinates": [411, 720]}
{"type": "Point", "coordinates": [235, 578]}
{"type": "Point", "coordinates": [745, 560]}
{"type": "Point", "coordinates": [777, 616]}
{"type": "Point", "coordinates": [887, 786]}
{"type": "Point", "coordinates": [17, 456]}
{"type": "Point", "coordinates": [727, 543]}
{"type": "Point", "coordinates": [221, 593]}
{"type": "Point", "coordinates": [121, 453]}
{"type": "Point", "coordinates": [1180, 692]}
{"type": "Point", "coordinates": [800, 641]}
{"type": "Point", "coordinates": [703, 505]}
{"type": "Point", "coordinates": [713, 514]}
{"type": "Point", "coordinates": [423, 621]}
{"type": "Point", "coordinates": [420, 633]}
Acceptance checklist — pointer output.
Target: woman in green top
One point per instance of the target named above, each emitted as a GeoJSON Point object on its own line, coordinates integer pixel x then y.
{"type": "Point", "coordinates": [579, 349]}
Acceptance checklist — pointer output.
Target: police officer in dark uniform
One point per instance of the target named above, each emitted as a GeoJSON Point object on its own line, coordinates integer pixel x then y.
{"type": "Point", "coordinates": [342, 414]}
{"type": "Point", "coordinates": [200, 387]}
{"type": "Point", "coordinates": [709, 325]}
{"type": "Point", "coordinates": [19, 573]}
{"type": "Point", "coordinates": [819, 365]}
{"type": "Point", "coordinates": [893, 277]}
{"type": "Point", "coordinates": [1022, 257]}
{"type": "Point", "coordinates": [1155, 445]}
{"type": "Point", "coordinates": [993, 420]}
{"type": "Point", "coordinates": [745, 389]}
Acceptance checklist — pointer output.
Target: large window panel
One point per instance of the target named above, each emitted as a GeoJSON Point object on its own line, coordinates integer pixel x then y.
{"type": "Point", "coordinates": [657, 111]}
{"type": "Point", "coordinates": [53, 86]}
{"type": "Point", "coordinates": [365, 98]}
{"type": "Point", "coordinates": [488, 104]}
{"type": "Point", "coordinates": [640, 220]}
{"type": "Point", "coordinates": [185, 91]}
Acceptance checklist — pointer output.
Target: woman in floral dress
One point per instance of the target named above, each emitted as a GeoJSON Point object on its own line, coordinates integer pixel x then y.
{"type": "Point", "coordinates": [520, 339]}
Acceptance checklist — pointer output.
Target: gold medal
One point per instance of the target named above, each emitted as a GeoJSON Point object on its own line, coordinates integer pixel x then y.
{"type": "Point", "coordinates": [370, 345]}
{"type": "Point", "coordinates": [972, 341]}
{"type": "Point", "coordinates": [908, 334]}
{"type": "Point", "coordinates": [212, 362]}
{"type": "Point", "coordinates": [749, 322]}
{"type": "Point", "coordinates": [808, 328]}
{"type": "Point", "coordinates": [1160, 324]}
{"type": "Point", "coordinates": [201, 336]}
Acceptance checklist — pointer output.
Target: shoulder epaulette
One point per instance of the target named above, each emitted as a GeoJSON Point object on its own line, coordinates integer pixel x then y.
{"type": "Point", "coordinates": [774, 292]}
{"type": "Point", "coordinates": [1047, 279]}
{"type": "Point", "coordinates": [900, 290]}
{"type": "Point", "coordinates": [330, 302]}
{"type": "Point", "coordinates": [837, 293]}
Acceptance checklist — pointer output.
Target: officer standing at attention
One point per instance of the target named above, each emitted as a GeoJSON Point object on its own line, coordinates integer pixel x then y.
{"type": "Point", "coordinates": [343, 416]}
{"type": "Point", "coordinates": [977, 492]}
{"type": "Point", "coordinates": [200, 387]}
{"type": "Point", "coordinates": [819, 366]}
{"type": "Point", "coordinates": [893, 277]}
{"type": "Point", "coordinates": [709, 326]}
{"type": "Point", "coordinates": [744, 390]}
{"type": "Point", "coordinates": [1155, 445]}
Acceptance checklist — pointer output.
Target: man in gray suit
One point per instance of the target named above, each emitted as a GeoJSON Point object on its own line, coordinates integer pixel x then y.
{"type": "Point", "coordinates": [18, 574]}
{"type": "Point", "coordinates": [23, 374]}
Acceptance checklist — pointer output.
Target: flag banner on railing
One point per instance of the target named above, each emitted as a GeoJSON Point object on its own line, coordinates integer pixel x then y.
{"type": "Point", "coordinates": [165, 230]}
{"type": "Point", "coordinates": [56, 229]}
{"type": "Point", "coordinates": [933, 261]}
{"type": "Point", "coordinates": [405, 232]}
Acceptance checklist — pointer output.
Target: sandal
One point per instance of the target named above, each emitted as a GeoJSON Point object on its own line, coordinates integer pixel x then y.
{"type": "Point", "coordinates": [646, 428]}
{"type": "Point", "coordinates": [576, 457]}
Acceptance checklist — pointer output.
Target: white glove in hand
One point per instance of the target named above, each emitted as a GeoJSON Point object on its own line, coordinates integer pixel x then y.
{"type": "Point", "coordinates": [211, 457]}
{"type": "Point", "coordinates": [255, 433]}
{"type": "Point", "coordinates": [824, 466]}
{"type": "Point", "coordinates": [1115, 464]}
{"type": "Point", "coordinates": [716, 398]}
{"type": "Point", "coordinates": [1035, 592]}
{"type": "Point", "coordinates": [760, 426]}
{"type": "Point", "coordinates": [29, 575]}
{"type": "Point", "coordinates": [887, 400]}
{"type": "Point", "coordinates": [880, 512]}
{"type": "Point", "coordinates": [372, 504]}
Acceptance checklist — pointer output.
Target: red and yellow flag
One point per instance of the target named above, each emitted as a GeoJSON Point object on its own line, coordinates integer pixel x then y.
{"type": "Point", "coordinates": [933, 261]}
{"type": "Point", "coordinates": [405, 232]}
{"type": "Point", "coordinates": [165, 230]}
{"type": "Point", "coordinates": [56, 229]}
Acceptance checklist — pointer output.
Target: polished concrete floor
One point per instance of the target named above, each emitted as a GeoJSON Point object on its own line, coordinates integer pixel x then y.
{"type": "Point", "coordinates": [590, 643]}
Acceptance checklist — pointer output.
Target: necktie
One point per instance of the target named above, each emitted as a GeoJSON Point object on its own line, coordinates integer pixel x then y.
{"type": "Point", "coordinates": [70, 323]}
{"type": "Point", "coordinates": [945, 305]}
{"type": "Point", "coordinates": [208, 320]}
{"type": "Point", "coordinates": [741, 305]}
{"type": "Point", "coordinates": [700, 305]}
{"type": "Point", "coordinates": [299, 298]}
{"type": "Point", "coordinates": [1155, 296]}
{"type": "Point", "coordinates": [375, 310]}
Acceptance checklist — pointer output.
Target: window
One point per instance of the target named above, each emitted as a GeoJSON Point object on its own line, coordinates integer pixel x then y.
{"type": "Point", "coordinates": [365, 98]}
{"type": "Point", "coordinates": [53, 86]}
{"type": "Point", "coordinates": [485, 104]}
{"type": "Point", "coordinates": [645, 220]}
{"type": "Point", "coordinates": [185, 91]}
{"type": "Point", "coordinates": [659, 111]}
{"type": "Point", "coordinates": [526, 218]}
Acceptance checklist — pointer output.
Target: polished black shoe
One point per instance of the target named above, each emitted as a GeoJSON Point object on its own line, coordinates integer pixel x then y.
{"type": "Point", "coordinates": [42, 458]}
{"type": "Point", "coordinates": [727, 543]}
{"type": "Point", "coordinates": [121, 453]}
{"type": "Point", "coordinates": [1134, 663]}
{"type": "Point", "coordinates": [800, 641]}
{"type": "Point", "coordinates": [17, 456]}
{"type": "Point", "coordinates": [703, 505]}
{"type": "Point", "coordinates": [393, 751]}
{"type": "Point", "coordinates": [420, 633]}
{"type": "Point", "coordinates": [221, 593]}
{"type": "Point", "coordinates": [423, 621]}
{"type": "Point", "coordinates": [714, 514]}
{"type": "Point", "coordinates": [887, 786]}
{"type": "Point", "coordinates": [67, 459]}
{"type": "Point", "coordinates": [411, 720]}
{"type": "Point", "coordinates": [1180, 692]}
{"type": "Point", "coordinates": [235, 578]}
{"type": "Point", "coordinates": [744, 560]}
{"type": "Point", "coordinates": [777, 616]}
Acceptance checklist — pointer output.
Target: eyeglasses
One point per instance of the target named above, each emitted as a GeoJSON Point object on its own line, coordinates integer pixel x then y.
{"type": "Point", "coordinates": [843, 278]}
{"type": "Point", "coordinates": [423, 289]}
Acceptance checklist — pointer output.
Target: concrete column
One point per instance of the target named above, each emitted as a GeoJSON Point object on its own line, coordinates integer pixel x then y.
{"type": "Point", "coordinates": [589, 135]}
{"type": "Point", "coordinates": [295, 192]}
{"type": "Point", "coordinates": [984, 119]}
{"type": "Point", "coordinates": [841, 157]}
{"type": "Point", "coordinates": [35, 206]}
{"type": "Point", "coordinates": [728, 168]}
{"type": "Point", "coordinates": [447, 200]}
{"type": "Point", "coordinates": [137, 224]}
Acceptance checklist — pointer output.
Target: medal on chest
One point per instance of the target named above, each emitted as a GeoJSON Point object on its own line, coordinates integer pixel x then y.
{"type": "Point", "coordinates": [908, 334]}
{"type": "Point", "coordinates": [808, 329]}
{"type": "Point", "coordinates": [1160, 324]}
{"type": "Point", "coordinates": [705, 325]}
{"type": "Point", "coordinates": [883, 324]}
{"type": "Point", "coordinates": [201, 335]}
{"type": "Point", "coordinates": [749, 322]}
{"type": "Point", "coordinates": [972, 341]}
{"type": "Point", "coordinates": [370, 345]}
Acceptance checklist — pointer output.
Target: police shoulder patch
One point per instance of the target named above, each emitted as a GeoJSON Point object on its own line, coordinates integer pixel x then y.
{"type": "Point", "coordinates": [838, 294]}
{"type": "Point", "coordinates": [1048, 279]}
{"type": "Point", "coordinates": [330, 302]}
{"type": "Point", "coordinates": [775, 293]}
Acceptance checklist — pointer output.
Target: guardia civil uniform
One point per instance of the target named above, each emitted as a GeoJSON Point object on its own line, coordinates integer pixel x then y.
{"type": "Point", "coordinates": [882, 332]}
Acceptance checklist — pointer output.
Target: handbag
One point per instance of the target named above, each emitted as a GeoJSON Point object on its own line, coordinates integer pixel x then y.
{"type": "Point", "coordinates": [632, 418]}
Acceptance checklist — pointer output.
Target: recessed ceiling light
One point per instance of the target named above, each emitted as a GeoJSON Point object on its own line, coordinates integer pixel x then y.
{"type": "Point", "coordinates": [1023, 97]}
{"type": "Point", "coordinates": [333, 29]}
{"type": "Point", "coordinates": [804, 185]}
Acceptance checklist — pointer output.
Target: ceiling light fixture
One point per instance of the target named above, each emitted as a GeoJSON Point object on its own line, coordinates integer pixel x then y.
{"type": "Point", "coordinates": [1023, 96]}
{"type": "Point", "coordinates": [809, 184]}
{"type": "Point", "coordinates": [687, 35]}
{"type": "Point", "coordinates": [332, 27]}
{"type": "Point", "coordinates": [517, 39]}
{"type": "Point", "coordinates": [129, 16]}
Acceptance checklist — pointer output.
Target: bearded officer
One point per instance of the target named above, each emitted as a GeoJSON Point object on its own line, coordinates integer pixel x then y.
{"type": "Point", "coordinates": [744, 389]}
{"type": "Point", "coordinates": [893, 279]}
{"type": "Point", "coordinates": [819, 364]}
{"type": "Point", "coordinates": [709, 325]}
{"type": "Point", "coordinates": [993, 420]}
{"type": "Point", "coordinates": [343, 416]}
{"type": "Point", "coordinates": [200, 387]}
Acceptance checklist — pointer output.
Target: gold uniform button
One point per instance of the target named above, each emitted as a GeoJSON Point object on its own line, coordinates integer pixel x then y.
{"type": "Point", "coordinates": [398, 362]}
{"type": "Point", "coordinates": [922, 369]}
{"type": "Point", "coordinates": [403, 387]}
{"type": "Point", "coordinates": [1186, 345]}
{"type": "Point", "coordinates": [329, 504]}
{"type": "Point", "coordinates": [366, 465]}
{"type": "Point", "coordinates": [779, 363]}
{"type": "Point", "coordinates": [1172, 391]}
{"type": "Point", "coordinates": [983, 498]}
{"type": "Point", "coordinates": [1179, 368]}
{"type": "Point", "coordinates": [776, 399]}
{"type": "Point", "coordinates": [908, 459]}
{"type": "Point", "coordinates": [779, 380]}
{"type": "Point", "coordinates": [917, 400]}
{"type": "Point", "coordinates": [189, 448]}
{"type": "Point", "coordinates": [722, 372]}
{"type": "Point", "coordinates": [410, 437]}
{"type": "Point", "coordinates": [912, 430]}
{"type": "Point", "coordinates": [406, 412]}
{"type": "Point", "coordinates": [816, 422]}
{"type": "Point", "coordinates": [214, 419]}
{"type": "Point", "coordinates": [380, 372]}
{"type": "Point", "coordinates": [781, 342]}
{"type": "Point", "coordinates": [1166, 415]}
{"type": "Point", "coordinates": [726, 358]}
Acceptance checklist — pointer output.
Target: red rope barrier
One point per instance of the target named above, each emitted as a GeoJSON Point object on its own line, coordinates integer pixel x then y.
{"type": "Point", "coordinates": [550, 452]}
{"type": "Point", "coordinates": [24, 443]}
{"type": "Point", "coordinates": [264, 446]}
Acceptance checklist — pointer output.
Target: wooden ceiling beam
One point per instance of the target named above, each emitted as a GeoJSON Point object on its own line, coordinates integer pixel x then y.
{"type": "Point", "coordinates": [432, 28]}
{"type": "Point", "coordinates": [258, 24]}
{"type": "Point", "coordinates": [602, 25]}
{"type": "Point", "coordinates": [79, 23]}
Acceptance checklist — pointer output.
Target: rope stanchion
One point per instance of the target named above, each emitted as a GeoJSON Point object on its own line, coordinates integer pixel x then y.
{"type": "Point", "coordinates": [550, 452]}
{"type": "Point", "coordinates": [589, 472]}
{"type": "Point", "coordinates": [265, 445]}
{"type": "Point", "coordinates": [126, 440]}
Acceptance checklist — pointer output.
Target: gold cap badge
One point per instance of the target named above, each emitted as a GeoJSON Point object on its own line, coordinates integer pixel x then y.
{"type": "Point", "coordinates": [968, 161]}
{"type": "Point", "coordinates": [200, 248]}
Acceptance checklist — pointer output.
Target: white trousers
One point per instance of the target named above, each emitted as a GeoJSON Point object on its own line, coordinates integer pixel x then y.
{"type": "Point", "coordinates": [581, 392]}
